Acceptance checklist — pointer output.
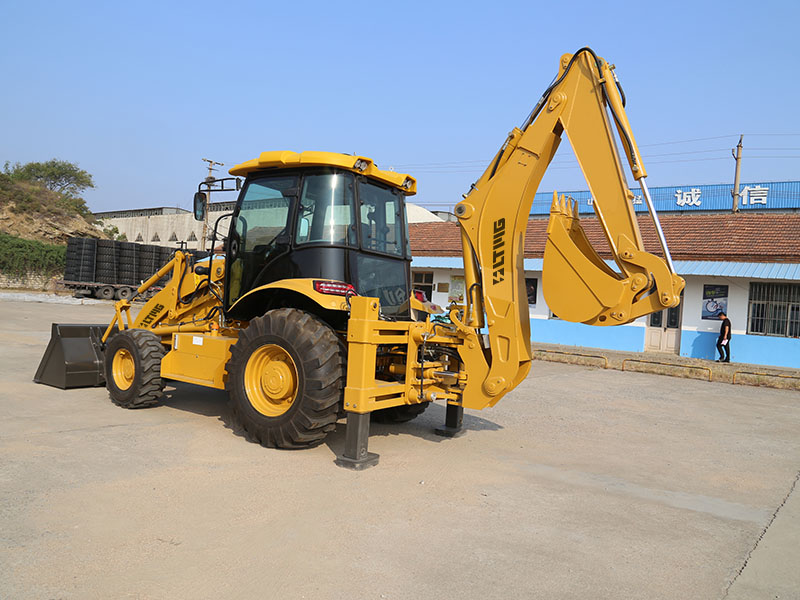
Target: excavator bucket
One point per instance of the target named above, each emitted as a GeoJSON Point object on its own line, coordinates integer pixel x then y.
{"type": "Point", "coordinates": [578, 284]}
{"type": "Point", "coordinates": [73, 358]}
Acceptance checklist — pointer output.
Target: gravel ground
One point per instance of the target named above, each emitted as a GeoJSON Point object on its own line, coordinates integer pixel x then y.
{"type": "Point", "coordinates": [582, 483]}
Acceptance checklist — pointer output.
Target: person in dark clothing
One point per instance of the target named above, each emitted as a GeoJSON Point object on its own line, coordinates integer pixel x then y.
{"type": "Point", "coordinates": [724, 339]}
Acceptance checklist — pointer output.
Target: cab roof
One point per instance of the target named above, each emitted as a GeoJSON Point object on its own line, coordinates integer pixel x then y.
{"type": "Point", "coordinates": [284, 159]}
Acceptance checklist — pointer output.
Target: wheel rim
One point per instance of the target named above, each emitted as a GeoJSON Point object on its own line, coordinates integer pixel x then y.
{"type": "Point", "coordinates": [123, 368]}
{"type": "Point", "coordinates": [270, 378]}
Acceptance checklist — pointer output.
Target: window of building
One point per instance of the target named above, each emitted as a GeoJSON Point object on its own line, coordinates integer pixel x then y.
{"type": "Point", "coordinates": [155, 238]}
{"type": "Point", "coordinates": [531, 289]}
{"type": "Point", "coordinates": [774, 309]}
{"type": "Point", "coordinates": [423, 281]}
{"type": "Point", "coordinates": [192, 237]}
{"type": "Point", "coordinates": [173, 237]}
{"type": "Point", "coordinates": [139, 238]}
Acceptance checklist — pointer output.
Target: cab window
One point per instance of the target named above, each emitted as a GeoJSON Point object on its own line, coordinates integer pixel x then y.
{"type": "Point", "coordinates": [382, 222]}
{"type": "Point", "coordinates": [326, 213]}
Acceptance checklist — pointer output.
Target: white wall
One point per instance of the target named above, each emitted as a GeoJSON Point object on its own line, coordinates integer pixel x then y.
{"type": "Point", "coordinates": [738, 297]}
{"type": "Point", "coordinates": [182, 224]}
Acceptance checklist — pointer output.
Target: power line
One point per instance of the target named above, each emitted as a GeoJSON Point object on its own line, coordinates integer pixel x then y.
{"type": "Point", "coordinates": [465, 163]}
{"type": "Point", "coordinates": [718, 137]}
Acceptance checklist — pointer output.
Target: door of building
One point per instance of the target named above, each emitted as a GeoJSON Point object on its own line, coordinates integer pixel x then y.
{"type": "Point", "coordinates": [664, 330]}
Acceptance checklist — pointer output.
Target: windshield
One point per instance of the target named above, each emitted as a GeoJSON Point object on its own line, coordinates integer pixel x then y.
{"type": "Point", "coordinates": [326, 212]}
{"type": "Point", "coordinates": [382, 222]}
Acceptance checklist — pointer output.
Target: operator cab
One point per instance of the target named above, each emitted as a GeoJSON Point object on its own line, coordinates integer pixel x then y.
{"type": "Point", "coordinates": [321, 216]}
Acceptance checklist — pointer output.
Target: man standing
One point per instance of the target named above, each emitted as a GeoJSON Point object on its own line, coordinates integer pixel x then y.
{"type": "Point", "coordinates": [724, 339]}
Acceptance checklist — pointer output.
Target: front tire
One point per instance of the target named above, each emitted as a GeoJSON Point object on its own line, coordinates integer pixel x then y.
{"type": "Point", "coordinates": [286, 379]}
{"type": "Point", "coordinates": [133, 368]}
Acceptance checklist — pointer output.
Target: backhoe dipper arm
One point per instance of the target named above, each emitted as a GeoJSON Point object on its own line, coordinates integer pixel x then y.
{"type": "Point", "coordinates": [578, 285]}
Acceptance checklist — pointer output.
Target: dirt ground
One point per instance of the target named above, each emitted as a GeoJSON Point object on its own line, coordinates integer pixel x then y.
{"type": "Point", "coordinates": [582, 483]}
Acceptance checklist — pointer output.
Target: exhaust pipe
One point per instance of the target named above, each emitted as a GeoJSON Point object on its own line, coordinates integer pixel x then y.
{"type": "Point", "coordinates": [74, 357]}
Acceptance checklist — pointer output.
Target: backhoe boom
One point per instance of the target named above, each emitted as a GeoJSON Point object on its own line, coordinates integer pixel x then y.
{"type": "Point", "coordinates": [578, 285]}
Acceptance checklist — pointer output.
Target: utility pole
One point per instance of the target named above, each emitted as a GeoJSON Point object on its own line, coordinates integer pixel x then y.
{"type": "Point", "coordinates": [737, 154]}
{"type": "Point", "coordinates": [209, 180]}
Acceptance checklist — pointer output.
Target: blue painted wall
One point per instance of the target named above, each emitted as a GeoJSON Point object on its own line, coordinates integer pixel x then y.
{"type": "Point", "coordinates": [555, 331]}
{"type": "Point", "coordinates": [754, 349]}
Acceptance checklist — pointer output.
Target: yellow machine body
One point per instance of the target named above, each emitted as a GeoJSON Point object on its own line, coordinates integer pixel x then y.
{"type": "Point", "coordinates": [481, 351]}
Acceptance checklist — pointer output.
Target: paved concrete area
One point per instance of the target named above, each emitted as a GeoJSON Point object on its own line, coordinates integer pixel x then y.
{"type": "Point", "coordinates": [582, 483]}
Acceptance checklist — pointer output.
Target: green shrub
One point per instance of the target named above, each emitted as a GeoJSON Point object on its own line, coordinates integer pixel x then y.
{"type": "Point", "coordinates": [18, 256]}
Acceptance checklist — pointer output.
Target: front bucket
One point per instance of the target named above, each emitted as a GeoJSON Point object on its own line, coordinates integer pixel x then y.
{"type": "Point", "coordinates": [74, 357]}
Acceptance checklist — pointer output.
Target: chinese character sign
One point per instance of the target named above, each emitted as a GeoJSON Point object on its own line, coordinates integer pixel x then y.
{"type": "Point", "coordinates": [690, 198]}
{"type": "Point", "coordinates": [715, 301]}
{"type": "Point", "coordinates": [756, 194]}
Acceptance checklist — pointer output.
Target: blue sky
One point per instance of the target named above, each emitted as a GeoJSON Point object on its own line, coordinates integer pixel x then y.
{"type": "Point", "coordinates": [138, 93]}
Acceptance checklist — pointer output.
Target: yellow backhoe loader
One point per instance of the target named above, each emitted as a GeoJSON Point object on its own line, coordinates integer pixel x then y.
{"type": "Point", "coordinates": [309, 316]}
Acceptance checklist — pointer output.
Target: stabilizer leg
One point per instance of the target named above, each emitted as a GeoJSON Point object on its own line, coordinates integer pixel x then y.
{"type": "Point", "coordinates": [453, 419]}
{"type": "Point", "coordinates": [356, 456]}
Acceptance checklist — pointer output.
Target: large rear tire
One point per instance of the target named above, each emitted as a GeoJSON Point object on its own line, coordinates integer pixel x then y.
{"type": "Point", "coordinates": [286, 379]}
{"type": "Point", "coordinates": [133, 368]}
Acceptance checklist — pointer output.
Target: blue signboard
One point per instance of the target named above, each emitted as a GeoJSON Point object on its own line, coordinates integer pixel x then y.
{"type": "Point", "coordinates": [695, 198]}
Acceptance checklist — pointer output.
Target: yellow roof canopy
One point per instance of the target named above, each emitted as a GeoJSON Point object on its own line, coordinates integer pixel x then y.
{"type": "Point", "coordinates": [284, 159]}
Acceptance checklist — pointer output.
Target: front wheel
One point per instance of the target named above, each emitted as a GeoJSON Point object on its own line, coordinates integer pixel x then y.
{"type": "Point", "coordinates": [286, 379]}
{"type": "Point", "coordinates": [133, 368]}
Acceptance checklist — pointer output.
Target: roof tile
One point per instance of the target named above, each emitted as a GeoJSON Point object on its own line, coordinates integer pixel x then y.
{"type": "Point", "coordinates": [753, 237]}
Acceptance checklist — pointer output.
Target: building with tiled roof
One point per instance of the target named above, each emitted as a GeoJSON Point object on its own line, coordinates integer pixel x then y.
{"type": "Point", "coordinates": [745, 263]}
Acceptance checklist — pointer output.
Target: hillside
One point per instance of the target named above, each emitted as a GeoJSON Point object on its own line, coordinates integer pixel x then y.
{"type": "Point", "coordinates": [32, 212]}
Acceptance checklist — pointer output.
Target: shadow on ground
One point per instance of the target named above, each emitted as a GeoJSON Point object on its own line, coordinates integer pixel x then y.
{"type": "Point", "coordinates": [213, 403]}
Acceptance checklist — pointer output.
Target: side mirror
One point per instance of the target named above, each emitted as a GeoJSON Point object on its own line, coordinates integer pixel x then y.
{"type": "Point", "coordinates": [199, 206]}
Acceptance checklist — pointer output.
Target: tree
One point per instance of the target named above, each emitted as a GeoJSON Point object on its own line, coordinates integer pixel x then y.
{"type": "Point", "coordinates": [59, 176]}
{"type": "Point", "coordinates": [112, 231]}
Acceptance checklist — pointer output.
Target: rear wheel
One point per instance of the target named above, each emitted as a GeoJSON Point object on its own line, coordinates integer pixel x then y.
{"type": "Point", "coordinates": [133, 368]}
{"type": "Point", "coordinates": [106, 292]}
{"type": "Point", "coordinates": [286, 379]}
{"type": "Point", "coordinates": [123, 293]}
{"type": "Point", "coordinates": [399, 414]}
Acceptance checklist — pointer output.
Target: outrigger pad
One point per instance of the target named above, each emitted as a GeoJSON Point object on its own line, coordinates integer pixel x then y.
{"type": "Point", "coordinates": [74, 357]}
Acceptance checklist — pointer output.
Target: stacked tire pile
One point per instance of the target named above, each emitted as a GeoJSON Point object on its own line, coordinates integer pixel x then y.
{"type": "Point", "coordinates": [128, 261]}
{"type": "Point", "coordinates": [149, 261]}
{"type": "Point", "coordinates": [106, 262]}
{"type": "Point", "coordinates": [109, 269]}
{"type": "Point", "coordinates": [80, 263]}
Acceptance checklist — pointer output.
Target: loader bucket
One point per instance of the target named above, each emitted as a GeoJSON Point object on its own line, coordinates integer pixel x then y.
{"type": "Point", "coordinates": [73, 358]}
